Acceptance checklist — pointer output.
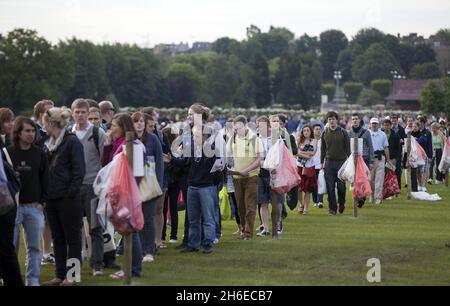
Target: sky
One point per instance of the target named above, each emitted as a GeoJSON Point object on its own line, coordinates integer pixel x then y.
{"type": "Point", "coordinates": [150, 22]}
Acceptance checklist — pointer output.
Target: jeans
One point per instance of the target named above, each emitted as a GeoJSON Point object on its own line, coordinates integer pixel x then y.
{"type": "Point", "coordinates": [9, 264]}
{"type": "Point", "coordinates": [31, 217]}
{"type": "Point", "coordinates": [331, 178]}
{"type": "Point", "coordinates": [217, 213]}
{"type": "Point", "coordinates": [172, 206]}
{"type": "Point", "coordinates": [136, 260]}
{"type": "Point", "coordinates": [65, 217]}
{"type": "Point", "coordinates": [95, 229]}
{"type": "Point", "coordinates": [147, 235]}
{"type": "Point", "coordinates": [201, 202]}
{"type": "Point", "coordinates": [435, 163]}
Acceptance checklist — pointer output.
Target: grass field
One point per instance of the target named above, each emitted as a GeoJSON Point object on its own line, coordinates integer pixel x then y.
{"type": "Point", "coordinates": [408, 237]}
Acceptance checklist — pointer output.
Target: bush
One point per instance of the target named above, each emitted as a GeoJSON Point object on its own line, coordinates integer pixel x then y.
{"type": "Point", "coordinates": [353, 90]}
{"type": "Point", "coordinates": [382, 87]}
{"type": "Point", "coordinates": [369, 98]}
{"type": "Point", "coordinates": [329, 89]}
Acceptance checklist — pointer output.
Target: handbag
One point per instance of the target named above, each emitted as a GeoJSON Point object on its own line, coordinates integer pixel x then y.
{"type": "Point", "coordinates": [308, 171]}
{"type": "Point", "coordinates": [149, 187]}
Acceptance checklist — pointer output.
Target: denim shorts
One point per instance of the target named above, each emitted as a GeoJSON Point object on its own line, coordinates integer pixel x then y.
{"type": "Point", "coordinates": [265, 191]}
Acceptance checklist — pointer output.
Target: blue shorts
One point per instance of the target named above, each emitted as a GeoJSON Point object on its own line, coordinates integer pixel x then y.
{"type": "Point", "coordinates": [265, 192]}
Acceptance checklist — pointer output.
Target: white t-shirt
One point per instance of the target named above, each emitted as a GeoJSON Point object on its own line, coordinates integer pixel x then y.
{"type": "Point", "coordinates": [316, 158]}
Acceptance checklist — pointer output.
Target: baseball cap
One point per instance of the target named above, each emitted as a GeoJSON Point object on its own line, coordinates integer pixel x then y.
{"type": "Point", "coordinates": [374, 120]}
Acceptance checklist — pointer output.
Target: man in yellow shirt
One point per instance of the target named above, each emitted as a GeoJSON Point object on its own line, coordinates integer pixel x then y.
{"type": "Point", "coordinates": [247, 151]}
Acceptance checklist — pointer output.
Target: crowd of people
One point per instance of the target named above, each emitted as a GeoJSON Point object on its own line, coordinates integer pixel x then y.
{"type": "Point", "coordinates": [50, 163]}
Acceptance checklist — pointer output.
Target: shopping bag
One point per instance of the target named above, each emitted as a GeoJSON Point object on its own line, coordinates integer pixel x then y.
{"type": "Point", "coordinates": [273, 157]}
{"type": "Point", "coordinates": [347, 171]}
{"type": "Point", "coordinates": [292, 198]}
{"type": "Point", "coordinates": [224, 202]}
{"type": "Point", "coordinates": [286, 175]}
{"type": "Point", "coordinates": [417, 155]}
{"type": "Point", "coordinates": [149, 187]}
{"type": "Point", "coordinates": [321, 183]}
{"type": "Point", "coordinates": [361, 185]}
{"type": "Point", "coordinates": [444, 165]}
{"type": "Point", "coordinates": [124, 198]}
{"type": "Point", "coordinates": [390, 185]}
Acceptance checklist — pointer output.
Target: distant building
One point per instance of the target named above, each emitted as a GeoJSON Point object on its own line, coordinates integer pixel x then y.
{"type": "Point", "coordinates": [201, 47]}
{"type": "Point", "coordinates": [412, 38]}
{"type": "Point", "coordinates": [406, 94]}
{"type": "Point", "coordinates": [171, 49]}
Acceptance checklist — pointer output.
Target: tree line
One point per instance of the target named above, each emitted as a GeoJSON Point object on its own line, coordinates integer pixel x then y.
{"type": "Point", "coordinates": [266, 68]}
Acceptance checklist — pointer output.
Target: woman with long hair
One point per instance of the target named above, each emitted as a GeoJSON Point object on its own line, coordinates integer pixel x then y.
{"type": "Point", "coordinates": [307, 147]}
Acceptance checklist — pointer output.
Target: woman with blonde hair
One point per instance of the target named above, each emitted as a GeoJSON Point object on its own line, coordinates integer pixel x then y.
{"type": "Point", "coordinates": [66, 172]}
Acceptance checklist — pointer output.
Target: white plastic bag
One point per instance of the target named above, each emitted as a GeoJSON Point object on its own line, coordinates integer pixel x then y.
{"type": "Point", "coordinates": [347, 171]}
{"type": "Point", "coordinates": [444, 165]}
{"type": "Point", "coordinates": [321, 183]}
{"type": "Point", "coordinates": [273, 157]}
{"type": "Point", "coordinates": [425, 196]}
{"type": "Point", "coordinates": [417, 155]}
{"type": "Point", "coordinates": [100, 187]}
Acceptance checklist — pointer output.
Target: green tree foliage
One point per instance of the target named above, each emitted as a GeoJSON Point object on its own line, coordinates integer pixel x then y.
{"type": "Point", "coordinates": [353, 90]}
{"type": "Point", "coordinates": [222, 81]}
{"type": "Point", "coordinates": [425, 71]}
{"type": "Point", "coordinates": [90, 77]}
{"type": "Point", "coordinates": [274, 42]}
{"type": "Point", "coordinates": [226, 46]}
{"type": "Point", "coordinates": [344, 64]}
{"type": "Point", "coordinates": [31, 69]}
{"type": "Point", "coordinates": [184, 84]}
{"type": "Point", "coordinates": [329, 89]}
{"type": "Point", "coordinates": [432, 99]}
{"type": "Point", "coordinates": [369, 97]}
{"type": "Point", "coordinates": [365, 38]}
{"type": "Point", "coordinates": [332, 42]}
{"type": "Point", "coordinates": [444, 36]}
{"type": "Point", "coordinates": [382, 87]}
{"type": "Point", "coordinates": [375, 63]}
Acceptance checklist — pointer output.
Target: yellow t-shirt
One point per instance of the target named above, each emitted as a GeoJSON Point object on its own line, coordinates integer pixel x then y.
{"type": "Point", "coordinates": [244, 151]}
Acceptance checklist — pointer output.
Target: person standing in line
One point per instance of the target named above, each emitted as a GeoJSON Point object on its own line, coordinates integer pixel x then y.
{"type": "Point", "coordinates": [31, 163]}
{"type": "Point", "coordinates": [317, 131]}
{"type": "Point", "coordinates": [66, 173]}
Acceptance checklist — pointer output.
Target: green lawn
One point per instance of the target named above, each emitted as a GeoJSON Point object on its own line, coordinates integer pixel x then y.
{"type": "Point", "coordinates": [408, 237]}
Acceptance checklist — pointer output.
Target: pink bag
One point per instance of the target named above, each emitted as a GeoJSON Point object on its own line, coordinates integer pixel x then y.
{"type": "Point", "coordinates": [286, 176]}
{"type": "Point", "coordinates": [124, 197]}
{"type": "Point", "coordinates": [390, 186]}
{"type": "Point", "coordinates": [361, 183]}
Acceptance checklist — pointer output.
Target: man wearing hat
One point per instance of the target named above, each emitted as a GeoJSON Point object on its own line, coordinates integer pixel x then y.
{"type": "Point", "coordinates": [381, 150]}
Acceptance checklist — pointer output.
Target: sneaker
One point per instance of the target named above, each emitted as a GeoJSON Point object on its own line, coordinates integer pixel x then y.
{"type": "Point", "coordinates": [148, 258]}
{"type": "Point", "coordinates": [216, 241]}
{"type": "Point", "coordinates": [430, 181]}
{"type": "Point", "coordinates": [436, 182]}
{"type": "Point", "coordinates": [320, 205]}
{"type": "Point", "coordinates": [305, 212]}
{"type": "Point", "coordinates": [48, 259]}
{"type": "Point", "coordinates": [341, 208]}
{"type": "Point", "coordinates": [361, 203]}
{"type": "Point", "coordinates": [316, 205]}
{"type": "Point", "coordinates": [97, 272]}
{"type": "Point", "coordinates": [424, 189]}
{"type": "Point", "coordinates": [208, 250]}
{"type": "Point", "coordinates": [188, 250]}
{"type": "Point", "coordinates": [261, 228]}
{"type": "Point", "coordinates": [378, 202]}
{"type": "Point", "coordinates": [263, 233]}
{"type": "Point", "coordinates": [280, 228]}
{"type": "Point", "coordinates": [173, 241]}
{"type": "Point", "coordinates": [283, 215]}
{"type": "Point", "coordinates": [332, 213]}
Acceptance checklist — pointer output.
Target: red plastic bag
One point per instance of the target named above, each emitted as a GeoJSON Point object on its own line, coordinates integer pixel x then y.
{"type": "Point", "coordinates": [361, 183]}
{"type": "Point", "coordinates": [390, 186]}
{"type": "Point", "coordinates": [286, 176]}
{"type": "Point", "coordinates": [124, 197]}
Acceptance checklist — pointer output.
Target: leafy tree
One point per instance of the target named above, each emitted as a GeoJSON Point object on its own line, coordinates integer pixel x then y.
{"type": "Point", "coordinates": [332, 42]}
{"type": "Point", "coordinates": [221, 81]}
{"type": "Point", "coordinates": [184, 84]}
{"type": "Point", "coordinates": [353, 90]}
{"type": "Point", "coordinates": [382, 87]}
{"type": "Point", "coordinates": [425, 71]}
{"type": "Point", "coordinates": [90, 71]}
{"type": "Point", "coordinates": [31, 69]}
{"type": "Point", "coordinates": [366, 38]}
{"type": "Point", "coordinates": [275, 41]}
{"type": "Point", "coordinates": [369, 97]}
{"type": "Point", "coordinates": [444, 36]}
{"type": "Point", "coordinates": [329, 89]}
{"type": "Point", "coordinates": [375, 63]}
{"type": "Point", "coordinates": [432, 99]}
{"type": "Point", "coordinates": [344, 64]}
